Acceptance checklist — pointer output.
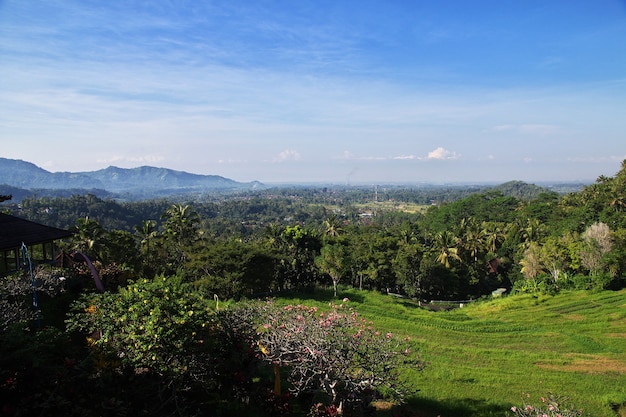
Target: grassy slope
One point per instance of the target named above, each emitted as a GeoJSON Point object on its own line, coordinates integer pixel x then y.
{"type": "Point", "coordinates": [484, 357]}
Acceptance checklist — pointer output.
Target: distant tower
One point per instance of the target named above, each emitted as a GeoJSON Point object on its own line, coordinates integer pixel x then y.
{"type": "Point", "coordinates": [376, 193]}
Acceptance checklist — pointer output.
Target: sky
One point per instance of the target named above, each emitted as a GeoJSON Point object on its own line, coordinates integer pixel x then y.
{"type": "Point", "coordinates": [310, 91]}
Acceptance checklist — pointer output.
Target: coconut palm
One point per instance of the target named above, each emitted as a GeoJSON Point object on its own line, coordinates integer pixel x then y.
{"type": "Point", "coordinates": [445, 246]}
{"type": "Point", "coordinates": [332, 227]}
{"type": "Point", "coordinates": [146, 234]}
{"type": "Point", "coordinates": [89, 237]}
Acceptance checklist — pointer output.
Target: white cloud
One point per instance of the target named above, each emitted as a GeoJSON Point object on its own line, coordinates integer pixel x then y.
{"type": "Point", "coordinates": [442, 153]}
{"type": "Point", "coordinates": [288, 155]}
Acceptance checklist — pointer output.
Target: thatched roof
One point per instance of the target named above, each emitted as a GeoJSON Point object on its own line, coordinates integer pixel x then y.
{"type": "Point", "coordinates": [14, 231]}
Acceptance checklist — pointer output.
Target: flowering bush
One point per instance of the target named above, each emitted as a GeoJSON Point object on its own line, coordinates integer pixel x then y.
{"type": "Point", "coordinates": [334, 353]}
{"type": "Point", "coordinates": [166, 331]}
{"type": "Point", "coordinates": [551, 406]}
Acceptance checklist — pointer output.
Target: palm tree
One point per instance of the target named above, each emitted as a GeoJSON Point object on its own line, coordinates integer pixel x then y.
{"type": "Point", "coordinates": [532, 232]}
{"type": "Point", "coordinates": [181, 223]}
{"type": "Point", "coordinates": [471, 240]}
{"type": "Point", "coordinates": [89, 237]}
{"type": "Point", "coordinates": [531, 263]}
{"type": "Point", "coordinates": [493, 234]}
{"type": "Point", "coordinates": [332, 226]}
{"type": "Point", "coordinates": [147, 233]}
{"type": "Point", "coordinates": [181, 231]}
{"type": "Point", "coordinates": [445, 246]}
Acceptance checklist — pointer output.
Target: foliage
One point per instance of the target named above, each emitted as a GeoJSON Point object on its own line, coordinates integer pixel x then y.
{"type": "Point", "coordinates": [232, 269]}
{"type": "Point", "coordinates": [16, 294]}
{"type": "Point", "coordinates": [333, 353]}
{"type": "Point", "coordinates": [333, 260]}
{"type": "Point", "coordinates": [166, 328]}
{"type": "Point", "coordinates": [167, 334]}
{"type": "Point", "coordinates": [39, 374]}
{"type": "Point", "coordinates": [551, 406]}
{"type": "Point", "coordinates": [159, 324]}
{"type": "Point", "coordinates": [522, 227]}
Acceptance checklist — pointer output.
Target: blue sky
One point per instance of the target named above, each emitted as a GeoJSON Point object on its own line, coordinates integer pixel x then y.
{"type": "Point", "coordinates": [318, 91]}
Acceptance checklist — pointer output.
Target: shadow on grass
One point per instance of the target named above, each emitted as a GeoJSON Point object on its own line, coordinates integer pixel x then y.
{"type": "Point", "coordinates": [424, 407]}
{"type": "Point", "coordinates": [410, 303]}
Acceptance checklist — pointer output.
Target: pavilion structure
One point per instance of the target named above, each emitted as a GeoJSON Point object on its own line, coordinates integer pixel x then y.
{"type": "Point", "coordinates": [38, 238]}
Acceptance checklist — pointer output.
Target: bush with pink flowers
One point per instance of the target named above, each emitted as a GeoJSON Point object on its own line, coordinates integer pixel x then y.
{"type": "Point", "coordinates": [550, 406]}
{"type": "Point", "coordinates": [334, 357]}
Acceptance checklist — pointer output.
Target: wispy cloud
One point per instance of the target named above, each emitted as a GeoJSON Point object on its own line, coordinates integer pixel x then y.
{"type": "Point", "coordinates": [347, 155]}
{"type": "Point", "coordinates": [528, 129]}
{"type": "Point", "coordinates": [229, 85]}
{"type": "Point", "coordinates": [439, 153]}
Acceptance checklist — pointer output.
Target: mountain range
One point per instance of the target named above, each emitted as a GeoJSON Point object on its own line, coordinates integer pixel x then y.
{"type": "Point", "coordinates": [146, 181]}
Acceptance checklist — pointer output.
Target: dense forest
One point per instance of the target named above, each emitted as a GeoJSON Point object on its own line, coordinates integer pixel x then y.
{"type": "Point", "coordinates": [457, 246]}
{"type": "Point", "coordinates": [450, 244]}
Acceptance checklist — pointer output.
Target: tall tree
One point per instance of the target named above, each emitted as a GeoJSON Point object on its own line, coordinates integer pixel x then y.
{"type": "Point", "coordinates": [89, 238]}
{"type": "Point", "coordinates": [146, 233]}
{"type": "Point", "coordinates": [445, 248]}
{"type": "Point", "coordinates": [406, 266]}
{"type": "Point", "coordinates": [181, 231]}
{"type": "Point", "coordinates": [333, 260]}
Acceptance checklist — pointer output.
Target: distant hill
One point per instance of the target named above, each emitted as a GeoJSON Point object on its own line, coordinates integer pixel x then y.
{"type": "Point", "coordinates": [25, 177]}
{"type": "Point", "coordinates": [521, 190]}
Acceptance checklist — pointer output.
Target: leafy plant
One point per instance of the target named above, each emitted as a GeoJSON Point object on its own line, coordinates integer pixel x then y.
{"type": "Point", "coordinates": [551, 406]}
{"type": "Point", "coordinates": [335, 353]}
{"type": "Point", "coordinates": [161, 324]}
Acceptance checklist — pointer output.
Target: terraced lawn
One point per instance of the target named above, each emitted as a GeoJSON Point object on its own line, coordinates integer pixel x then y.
{"type": "Point", "coordinates": [489, 355]}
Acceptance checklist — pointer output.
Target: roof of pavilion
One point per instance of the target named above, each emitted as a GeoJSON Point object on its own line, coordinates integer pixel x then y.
{"type": "Point", "coordinates": [14, 231]}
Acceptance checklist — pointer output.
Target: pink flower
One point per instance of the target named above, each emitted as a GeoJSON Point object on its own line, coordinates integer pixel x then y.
{"type": "Point", "coordinates": [389, 335]}
{"type": "Point", "coordinates": [514, 409]}
{"type": "Point", "coordinates": [345, 300]}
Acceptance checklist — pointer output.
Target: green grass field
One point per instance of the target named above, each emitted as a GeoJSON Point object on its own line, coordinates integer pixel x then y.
{"type": "Point", "coordinates": [488, 356]}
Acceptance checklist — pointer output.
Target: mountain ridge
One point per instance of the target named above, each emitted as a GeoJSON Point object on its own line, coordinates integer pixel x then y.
{"type": "Point", "coordinates": [135, 181]}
